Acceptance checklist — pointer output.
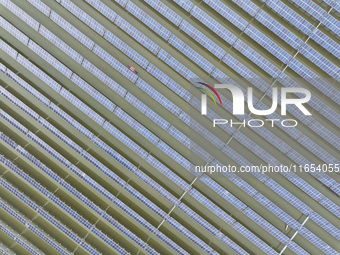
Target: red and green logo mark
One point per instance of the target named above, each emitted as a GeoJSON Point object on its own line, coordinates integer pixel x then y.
{"type": "Point", "coordinates": [204, 97]}
{"type": "Point", "coordinates": [209, 93]}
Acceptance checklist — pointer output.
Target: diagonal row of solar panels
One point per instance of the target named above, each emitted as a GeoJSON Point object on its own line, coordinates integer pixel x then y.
{"type": "Point", "coordinates": [318, 200]}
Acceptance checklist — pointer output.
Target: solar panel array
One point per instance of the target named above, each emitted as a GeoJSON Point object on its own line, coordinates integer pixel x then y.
{"type": "Point", "coordinates": [96, 159]}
